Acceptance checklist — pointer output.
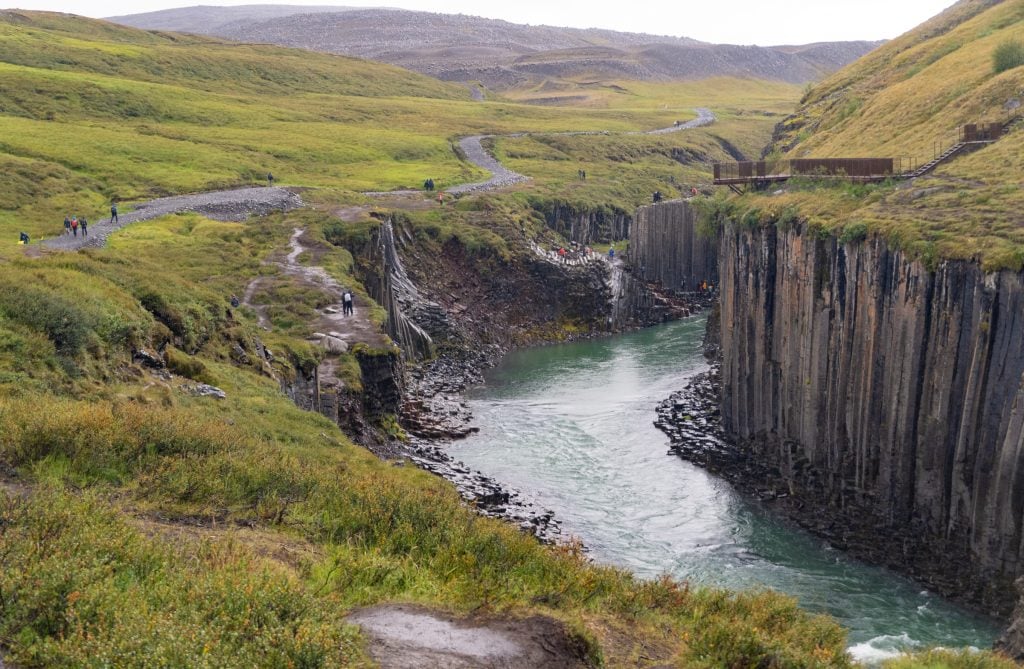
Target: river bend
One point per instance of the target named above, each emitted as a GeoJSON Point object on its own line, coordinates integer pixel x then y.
{"type": "Point", "coordinates": [572, 425]}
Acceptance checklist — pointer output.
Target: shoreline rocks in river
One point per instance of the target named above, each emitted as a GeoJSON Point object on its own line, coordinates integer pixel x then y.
{"type": "Point", "coordinates": [691, 418]}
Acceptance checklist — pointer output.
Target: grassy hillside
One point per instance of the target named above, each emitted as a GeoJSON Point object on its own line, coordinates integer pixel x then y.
{"type": "Point", "coordinates": [142, 525]}
{"type": "Point", "coordinates": [906, 100]}
{"type": "Point", "coordinates": [96, 112]}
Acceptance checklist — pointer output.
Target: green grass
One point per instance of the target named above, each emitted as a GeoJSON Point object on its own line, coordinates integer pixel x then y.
{"type": "Point", "coordinates": [96, 112]}
{"type": "Point", "coordinates": [1008, 55]}
{"type": "Point", "coordinates": [150, 523]}
{"type": "Point", "coordinates": [907, 99]}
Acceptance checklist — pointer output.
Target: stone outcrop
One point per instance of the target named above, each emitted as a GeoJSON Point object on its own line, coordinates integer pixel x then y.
{"type": "Point", "coordinates": [586, 226]}
{"type": "Point", "coordinates": [887, 396]}
{"type": "Point", "coordinates": [666, 248]}
{"type": "Point", "coordinates": [391, 287]}
{"type": "Point", "coordinates": [1011, 643]}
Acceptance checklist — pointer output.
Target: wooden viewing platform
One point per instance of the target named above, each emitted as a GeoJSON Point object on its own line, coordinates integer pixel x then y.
{"type": "Point", "coordinates": [761, 173]}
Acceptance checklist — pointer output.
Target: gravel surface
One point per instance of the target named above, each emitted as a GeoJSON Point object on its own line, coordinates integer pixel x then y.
{"type": "Point", "coordinates": [704, 117]}
{"type": "Point", "coordinates": [225, 205]}
{"type": "Point", "coordinates": [501, 176]}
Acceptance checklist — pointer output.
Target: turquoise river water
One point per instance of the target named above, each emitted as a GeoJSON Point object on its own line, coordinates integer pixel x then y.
{"type": "Point", "coordinates": [572, 427]}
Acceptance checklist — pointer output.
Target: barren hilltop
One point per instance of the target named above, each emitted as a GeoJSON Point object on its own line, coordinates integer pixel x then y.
{"type": "Point", "coordinates": [498, 53]}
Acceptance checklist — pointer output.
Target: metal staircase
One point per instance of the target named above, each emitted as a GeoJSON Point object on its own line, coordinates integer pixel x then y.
{"type": "Point", "coordinates": [948, 154]}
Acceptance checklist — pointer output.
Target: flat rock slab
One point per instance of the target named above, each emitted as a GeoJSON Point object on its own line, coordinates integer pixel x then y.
{"type": "Point", "coordinates": [409, 637]}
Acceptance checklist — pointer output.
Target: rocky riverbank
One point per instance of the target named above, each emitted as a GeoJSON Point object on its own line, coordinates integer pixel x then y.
{"type": "Point", "coordinates": [692, 420]}
{"type": "Point", "coordinates": [434, 413]}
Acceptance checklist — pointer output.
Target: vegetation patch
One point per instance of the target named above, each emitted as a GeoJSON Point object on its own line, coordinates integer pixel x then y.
{"type": "Point", "coordinates": [1008, 55]}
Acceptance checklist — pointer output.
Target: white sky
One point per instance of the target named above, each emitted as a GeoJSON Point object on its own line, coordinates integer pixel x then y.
{"type": "Point", "coordinates": [762, 22]}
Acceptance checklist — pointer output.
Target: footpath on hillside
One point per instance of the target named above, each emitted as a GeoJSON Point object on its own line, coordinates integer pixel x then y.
{"type": "Point", "coordinates": [472, 147]}
{"type": "Point", "coordinates": [224, 205]}
{"type": "Point", "coordinates": [239, 203]}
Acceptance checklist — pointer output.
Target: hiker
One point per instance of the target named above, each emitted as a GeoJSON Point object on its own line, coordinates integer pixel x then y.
{"type": "Point", "coordinates": [85, 226]}
{"type": "Point", "coordinates": [693, 192]}
{"type": "Point", "coordinates": [74, 226]}
{"type": "Point", "coordinates": [113, 212]}
{"type": "Point", "coordinates": [611, 252]}
{"type": "Point", "coordinates": [23, 238]}
{"type": "Point", "coordinates": [584, 173]}
{"type": "Point", "coordinates": [234, 301]}
{"type": "Point", "coordinates": [657, 196]}
{"type": "Point", "coordinates": [346, 304]}
{"type": "Point", "coordinates": [270, 179]}
{"type": "Point", "coordinates": [67, 225]}
{"type": "Point", "coordinates": [440, 198]}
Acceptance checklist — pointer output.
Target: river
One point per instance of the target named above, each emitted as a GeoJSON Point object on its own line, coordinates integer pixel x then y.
{"type": "Point", "coordinates": [572, 427]}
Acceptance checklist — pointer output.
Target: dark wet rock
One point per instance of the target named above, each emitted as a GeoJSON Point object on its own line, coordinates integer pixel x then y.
{"type": "Point", "coordinates": [887, 395]}
{"type": "Point", "coordinates": [1011, 643]}
{"type": "Point", "coordinates": [383, 380]}
{"type": "Point", "coordinates": [486, 495]}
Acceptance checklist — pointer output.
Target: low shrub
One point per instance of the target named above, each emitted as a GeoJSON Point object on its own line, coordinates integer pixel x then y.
{"type": "Point", "coordinates": [1008, 55]}
{"type": "Point", "coordinates": [82, 588]}
{"type": "Point", "coordinates": [66, 325]}
{"type": "Point", "coordinates": [854, 232]}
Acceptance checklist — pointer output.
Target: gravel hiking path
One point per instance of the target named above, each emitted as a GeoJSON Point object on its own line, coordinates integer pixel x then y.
{"type": "Point", "coordinates": [501, 177]}
{"type": "Point", "coordinates": [224, 205]}
{"type": "Point", "coordinates": [410, 637]}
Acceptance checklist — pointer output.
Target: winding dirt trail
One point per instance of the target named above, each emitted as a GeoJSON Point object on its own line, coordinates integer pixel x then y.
{"type": "Point", "coordinates": [472, 147]}
{"type": "Point", "coordinates": [235, 204]}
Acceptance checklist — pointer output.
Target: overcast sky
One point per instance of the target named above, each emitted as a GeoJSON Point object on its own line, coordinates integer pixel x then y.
{"type": "Point", "coordinates": [724, 21]}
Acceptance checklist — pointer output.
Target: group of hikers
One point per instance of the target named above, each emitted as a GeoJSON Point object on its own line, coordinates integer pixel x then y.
{"type": "Point", "coordinates": [429, 185]}
{"type": "Point", "coordinates": [578, 252]}
{"type": "Point", "coordinates": [704, 286]}
{"type": "Point", "coordinates": [581, 175]}
{"type": "Point", "coordinates": [657, 196]}
{"type": "Point", "coordinates": [72, 224]}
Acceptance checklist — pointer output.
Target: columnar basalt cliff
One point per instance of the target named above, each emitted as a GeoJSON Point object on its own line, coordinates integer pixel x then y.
{"type": "Point", "coordinates": [666, 248]}
{"type": "Point", "coordinates": [886, 392]}
{"type": "Point", "coordinates": [587, 226]}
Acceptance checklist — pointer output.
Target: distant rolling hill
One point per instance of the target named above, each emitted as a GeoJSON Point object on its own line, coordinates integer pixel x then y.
{"type": "Point", "coordinates": [497, 53]}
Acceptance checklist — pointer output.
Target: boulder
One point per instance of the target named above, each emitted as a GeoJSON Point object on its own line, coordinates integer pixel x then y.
{"type": "Point", "coordinates": [334, 345]}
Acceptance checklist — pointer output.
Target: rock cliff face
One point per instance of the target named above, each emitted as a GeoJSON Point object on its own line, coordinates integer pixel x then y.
{"type": "Point", "coordinates": [588, 227]}
{"type": "Point", "coordinates": [887, 395]}
{"type": "Point", "coordinates": [391, 287]}
{"type": "Point", "coordinates": [665, 248]}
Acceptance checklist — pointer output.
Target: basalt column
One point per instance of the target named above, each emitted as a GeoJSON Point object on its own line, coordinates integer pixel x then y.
{"type": "Point", "coordinates": [666, 248]}
{"type": "Point", "coordinates": [886, 395]}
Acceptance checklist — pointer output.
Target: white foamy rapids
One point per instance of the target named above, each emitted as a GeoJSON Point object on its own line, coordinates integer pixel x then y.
{"type": "Point", "coordinates": [873, 652]}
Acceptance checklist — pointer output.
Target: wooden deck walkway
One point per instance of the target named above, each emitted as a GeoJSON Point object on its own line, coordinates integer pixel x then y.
{"type": "Point", "coordinates": [762, 173]}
